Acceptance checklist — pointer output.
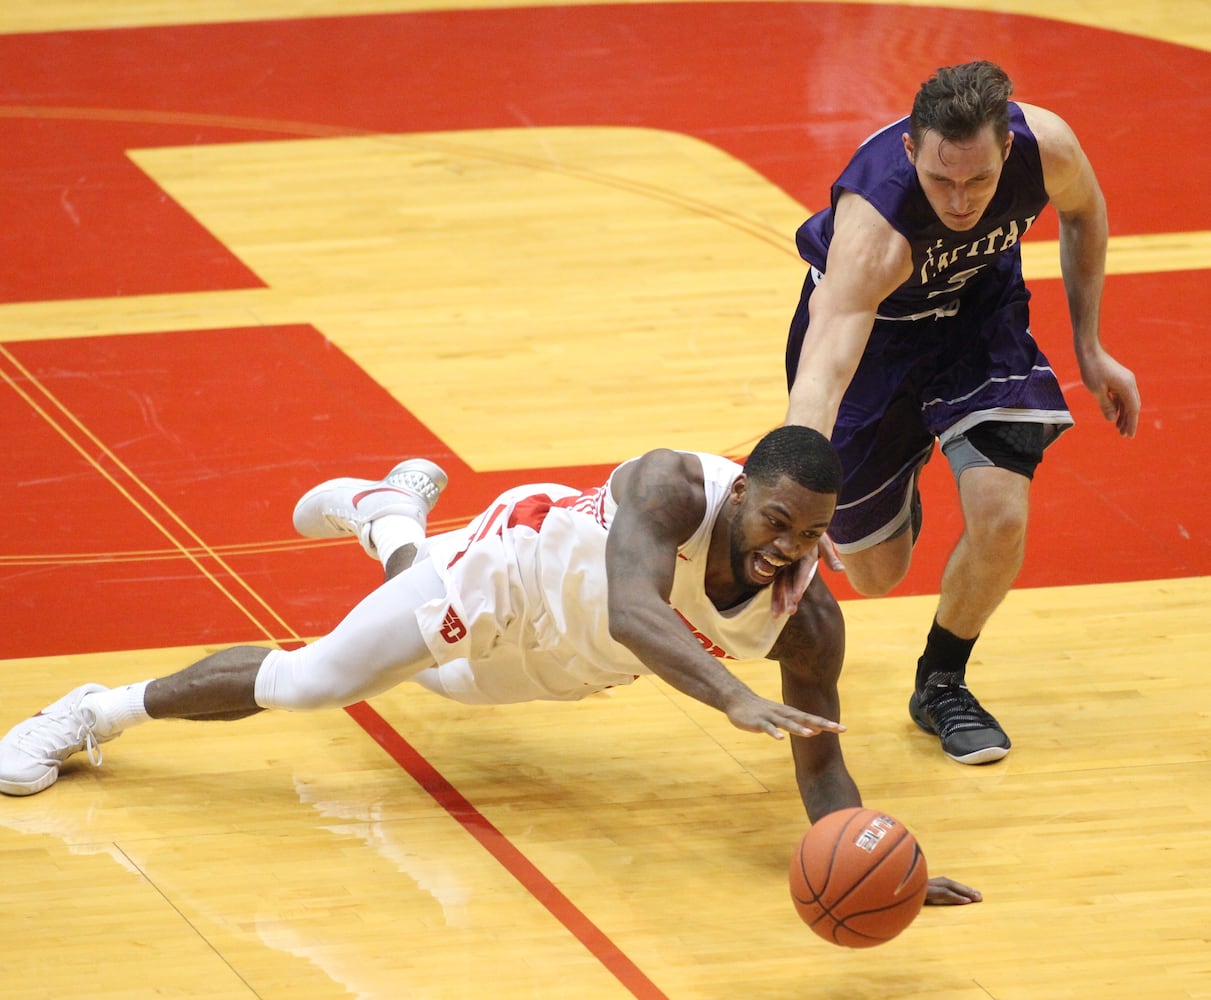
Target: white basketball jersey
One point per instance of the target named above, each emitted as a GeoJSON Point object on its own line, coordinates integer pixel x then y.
{"type": "Point", "coordinates": [527, 606]}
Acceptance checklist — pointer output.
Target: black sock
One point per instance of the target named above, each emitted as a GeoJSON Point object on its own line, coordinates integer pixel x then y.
{"type": "Point", "coordinates": [945, 653]}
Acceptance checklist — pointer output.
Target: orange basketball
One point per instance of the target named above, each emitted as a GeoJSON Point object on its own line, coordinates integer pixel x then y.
{"type": "Point", "coordinates": [858, 877]}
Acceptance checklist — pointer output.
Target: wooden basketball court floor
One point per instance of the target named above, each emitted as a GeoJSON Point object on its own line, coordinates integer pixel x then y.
{"type": "Point", "coordinates": [252, 245]}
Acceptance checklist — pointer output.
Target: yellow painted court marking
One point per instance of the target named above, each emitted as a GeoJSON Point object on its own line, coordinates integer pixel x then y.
{"type": "Point", "coordinates": [538, 297]}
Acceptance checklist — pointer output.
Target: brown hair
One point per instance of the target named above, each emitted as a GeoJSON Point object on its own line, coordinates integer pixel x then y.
{"type": "Point", "coordinates": [958, 101]}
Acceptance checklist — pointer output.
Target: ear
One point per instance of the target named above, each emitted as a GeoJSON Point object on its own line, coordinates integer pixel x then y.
{"type": "Point", "coordinates": [1008, 146]}
{"type": "Point", "coordinates": [909, 149]}
{"type": "Point", "coordinates": [739, 487]}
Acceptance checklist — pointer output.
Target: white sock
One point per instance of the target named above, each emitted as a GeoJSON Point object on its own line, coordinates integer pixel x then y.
{"type": "Point", "coordinates": [392, 532]}
{"type": "Point", "coordinates": [118, 708]}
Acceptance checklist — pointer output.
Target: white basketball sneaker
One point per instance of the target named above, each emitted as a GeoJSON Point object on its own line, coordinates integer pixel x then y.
{"type": "Point", "coordinates": [32, 751]}
{"type": "Point", "coordinates": [349, 506]}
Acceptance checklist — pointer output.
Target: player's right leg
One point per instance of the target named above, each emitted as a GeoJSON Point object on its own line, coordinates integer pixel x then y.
{"type": "Point", "coordinates": [374, 648]}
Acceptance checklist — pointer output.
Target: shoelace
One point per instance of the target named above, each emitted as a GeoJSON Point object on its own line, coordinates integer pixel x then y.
{"type": "Point", "coordinates": [51, 744]}
{"type": "Point", "coordinates": [89, 738]}
{"type": "Point", "coordinates": [952, 708]}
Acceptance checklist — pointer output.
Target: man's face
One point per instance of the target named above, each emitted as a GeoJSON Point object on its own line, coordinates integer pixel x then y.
{"type": "Point", "coordinates": [959, 178]}
{"type": "Point", "coordinates": [775, 525]}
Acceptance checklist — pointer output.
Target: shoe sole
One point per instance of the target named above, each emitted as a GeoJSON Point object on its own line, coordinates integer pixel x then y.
{"type": "Point", "coordinates": [986, 756]}
{"type": "Point", "coordinates": [426, 468]}
{"type": "Point", "coordinates": [29, 787]}
{"type": "Point", "coordinates": [422, 467]}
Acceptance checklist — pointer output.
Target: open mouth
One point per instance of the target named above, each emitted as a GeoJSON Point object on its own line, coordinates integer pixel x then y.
{"type": "Point", "coordinates": [766, 566]}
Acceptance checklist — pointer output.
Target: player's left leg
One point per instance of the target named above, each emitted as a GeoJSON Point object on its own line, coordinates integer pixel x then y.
{"type": "Point", "coordinates": [994, 463]}
{"type": "Point", "coordinates": [388, 516]}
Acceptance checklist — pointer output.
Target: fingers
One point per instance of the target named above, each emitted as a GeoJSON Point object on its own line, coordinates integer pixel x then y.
{"type": "Point", "coordinates": [1129, 412]}
{"type": "Point", "coordinates": [782, 599]}
{"type": "Point", "coordinates": [759, 715]}
{"type": "Point", "coordinates": [778, 725]}
{"type": "Point", "coordinates": [1118, 397]}
{"type": "Point", "coordinates": [1124, 412]}
{"type": "Point", "coordinates": [947, 892]}
{"type": "Point", "coordinates": [828, 552]}
{"type": "Point", "coordinates": [790, 585]}
{"type": "Point", "coordinates": [814, 727]}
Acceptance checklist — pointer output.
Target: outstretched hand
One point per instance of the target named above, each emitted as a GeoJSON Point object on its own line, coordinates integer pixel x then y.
{"type": "Point", "coordinates": [755, 714]}
{"type": "Point", "coordinates": [943, 891]}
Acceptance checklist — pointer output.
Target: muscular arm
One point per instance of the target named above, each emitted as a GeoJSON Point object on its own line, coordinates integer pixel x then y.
{"type": "Point", "coordinates": [661, 500]}
{"type": "Point", "coordinates": [1084, 233]}
{"type": "Point", "coordinates": [867, 261]}
{"type": "Point", "coordinates": [811, 650]}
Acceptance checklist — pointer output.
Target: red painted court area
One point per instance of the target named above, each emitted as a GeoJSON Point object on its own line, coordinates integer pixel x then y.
{"type": "Point", "coordinates": [158, 473]}
{"type": "Point", "coordinates": [151, 476]}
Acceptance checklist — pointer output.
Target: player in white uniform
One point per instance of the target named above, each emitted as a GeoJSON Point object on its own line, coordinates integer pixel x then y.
{"type": "Point", "coordinates": [535, 562]}
{"type": "Point", "coordinates": [680, 562]}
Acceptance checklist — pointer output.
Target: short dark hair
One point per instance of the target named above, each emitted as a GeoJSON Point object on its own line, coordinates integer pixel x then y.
{"type": "Point", "coordinates": [799, 452]}
{"type": "Point", "coordinates": [958, 101]}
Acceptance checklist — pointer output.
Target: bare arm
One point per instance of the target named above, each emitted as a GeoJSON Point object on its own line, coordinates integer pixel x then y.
{"type": "Point", "coordinates": [867, 261]}
{"type": "Point", "coordinates": [1084, 233]}
{"type": "Point", "coordinates": [811, 650]}
{"type": "Point", "coordinates": [661, 500]}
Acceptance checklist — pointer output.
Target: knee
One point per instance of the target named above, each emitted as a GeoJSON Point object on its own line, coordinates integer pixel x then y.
{"type": "Point", "coordinates": [874, 584]}
{"type": "Point", "coordinates": [998, 526]}
{"type": "Point", "coordinates": [312, 697]}
{"type": "Point", "coordinates": [299, 681]}
{"type": "Point", "coordinates": [875, 572]}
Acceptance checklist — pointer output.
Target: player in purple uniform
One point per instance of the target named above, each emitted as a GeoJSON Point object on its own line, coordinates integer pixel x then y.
{"type": "Point", "coordinates": [913, 326]}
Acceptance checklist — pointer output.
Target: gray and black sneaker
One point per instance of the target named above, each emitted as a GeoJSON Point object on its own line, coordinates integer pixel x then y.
{"type": "Point", "coordinates": [948, 710]}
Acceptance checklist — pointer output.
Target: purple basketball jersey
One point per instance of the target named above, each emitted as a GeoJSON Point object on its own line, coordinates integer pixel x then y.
{"type": "Point", "coordinates": [946, 264]}
{"type": "Point", "coordinates": [950, 348]}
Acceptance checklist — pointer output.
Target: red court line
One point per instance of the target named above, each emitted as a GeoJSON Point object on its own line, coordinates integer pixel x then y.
{"type": "Point", "coordinates": [510, 858]}
{"type": "Point", "coordinates": [73, 428]}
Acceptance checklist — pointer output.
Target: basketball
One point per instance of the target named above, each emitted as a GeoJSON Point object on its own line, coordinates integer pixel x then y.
{"type": "Point", "coordinates": [858, 877]}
